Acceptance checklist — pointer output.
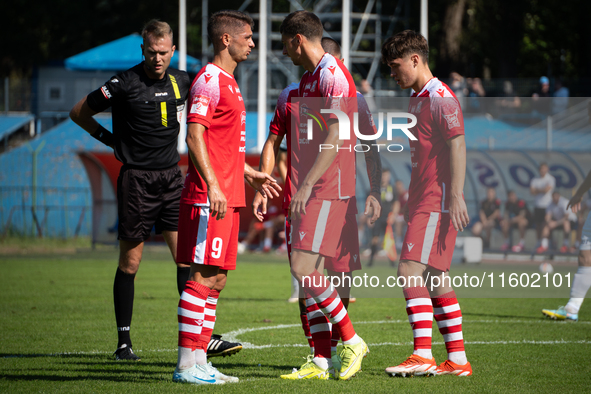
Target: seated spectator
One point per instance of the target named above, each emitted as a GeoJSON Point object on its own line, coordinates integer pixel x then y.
{"type": "Point", "coordinates": [542, 107]}
{"type": "Point", "coordinates": [272, 220]}
{"type": "Point", "coordinates": [558, 217]}
{"type": "Point", "coordinates": [398, 212]}
{"type": "Point", "coordinates": [516, 216]}
{"type": "Point", "coordinates": [475, 91]}
{"type": "Point", "coordinates": [490, 214]}
{"type": "Point", "coordinates": [508, 100]}
{"type": "Point", "coordinates": [560, 100]}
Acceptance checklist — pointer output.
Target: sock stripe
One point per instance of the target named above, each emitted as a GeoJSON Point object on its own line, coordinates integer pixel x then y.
{"type": "Point", "coordinates": [417, 317]}
{"type": "Point", "coordinates": [446, 309]}
{"type": "Point", "coordinates": [413, 302]}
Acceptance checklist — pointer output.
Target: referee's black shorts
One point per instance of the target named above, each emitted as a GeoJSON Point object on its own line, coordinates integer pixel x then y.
{"type": "Point", "coordinates": [148, 198]}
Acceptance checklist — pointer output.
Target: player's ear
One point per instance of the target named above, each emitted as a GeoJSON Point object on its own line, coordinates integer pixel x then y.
{"type": "Point", "coordinates": [173, 49]}
{"type": "Point", "coordinates": [226, 38]}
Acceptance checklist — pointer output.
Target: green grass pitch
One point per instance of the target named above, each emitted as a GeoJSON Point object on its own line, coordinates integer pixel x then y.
{"type": "Point", "coordinates": [57, 333]}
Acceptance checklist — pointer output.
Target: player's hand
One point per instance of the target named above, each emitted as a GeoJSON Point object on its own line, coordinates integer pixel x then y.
{"type": "Point", "coordinates": [217, 202]}
{"type": "Point", "coordinates": [406, 213]}
{"type": "Point", "coordinates": [458, 213]}
{"type": "Point", "coordinates": [574, 203]}
{"type": "Point", "coordinates": [298, 202]}
{"type": "Point", "coordinates": [259, 206]}
{"type": "Point", "coordinates": [373, 209]}
{"type": "Point", "coordinates": [263, 183]}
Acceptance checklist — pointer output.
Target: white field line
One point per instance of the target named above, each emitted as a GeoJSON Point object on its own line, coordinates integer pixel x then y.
{"type": "Point", "coordinates": [232, 336]}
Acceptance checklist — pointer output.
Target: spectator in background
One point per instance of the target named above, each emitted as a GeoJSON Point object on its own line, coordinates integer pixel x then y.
{"type": "Point", "coordinates": [558, 216]}
{"type": "Point", "coordinates": [272, 220]}
{"type": "Point", "coordinates": [509, 100]}
{"type": "Point", "coordinates": [398, 211]}
{"type": "Point", "coordinates": [475, 91]}
{"type": "Point", "coordinates": [490, 215]}
{"type": "Point", "coordinates": [457, 84]}
{"type": "Point", "coordinates": [561, 94]}
{"type": "Point", "coordinates": [541, 188]}
{"type": "Point", "coordinates": [516, 216]}
{"type": "Point", "coordinates": [367, 91]}
{"type": "Point", "coordinates": [542, 107]}
{"type": "Point", "coordinates": [378, 229]}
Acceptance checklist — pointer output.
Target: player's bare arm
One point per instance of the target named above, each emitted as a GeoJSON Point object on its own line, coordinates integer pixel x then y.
{"type": "Point", "coordinates": [261, 182]}
{"type": "Point", "coordinates": [321, 164]}
{"type": "Point", "coordinates": [83, 116]}
{"type": "Point", "coordinates": [374, 172]}
{"type": "Point", "coordinates": [457, 206]}
{"type": "Point", "coordinates": [266, 165]}
{"type": "Point", "coordinates": [575, 201]}
{"type": "Point", "coordinates": [200, 158]}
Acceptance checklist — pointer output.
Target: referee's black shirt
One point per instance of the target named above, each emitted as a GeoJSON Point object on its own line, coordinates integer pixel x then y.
{"type": "Point", "coordinates": [146, 115]}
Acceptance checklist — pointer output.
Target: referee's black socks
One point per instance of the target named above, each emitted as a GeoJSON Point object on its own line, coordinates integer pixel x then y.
{"type": "Point", "coordinates": [123, 292]}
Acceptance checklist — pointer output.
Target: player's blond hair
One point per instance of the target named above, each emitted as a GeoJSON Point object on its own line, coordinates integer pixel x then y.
{"type": "Point", "coordinates": [157, 29]}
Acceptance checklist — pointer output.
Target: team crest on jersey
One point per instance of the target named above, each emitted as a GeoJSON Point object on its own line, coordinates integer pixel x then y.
{"type": "Point", "coordinates": [231, 89]}
{"type": "Point", "coordinates": [207, 77]}
{"type": "Point", "coordinates": [106, 92]}
{"type": "Point", "coordinates": [200, 105]}
{"type": "Point", "coordinates": [452, 120]}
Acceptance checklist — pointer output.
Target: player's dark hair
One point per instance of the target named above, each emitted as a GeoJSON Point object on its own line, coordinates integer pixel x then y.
{"type": "Point", "coordinates": [158, 29]}
{"type": "Point", "coordinates": [405, 43]}
{"type": "Point", "coordinates": [302, 22]}
{"type": "Point", "coordinates": [227, 21]}
{"type": "Point", "coordinates": [331, 46]}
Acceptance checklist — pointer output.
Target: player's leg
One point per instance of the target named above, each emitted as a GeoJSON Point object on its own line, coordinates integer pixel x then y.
{"type": "Point", "coordinates": [203, 242]}
{"type": "Point", "coordinates": [418, 241]}
{"type": "Point", "coordinates": [521, 223]}
{"type": "Point", "coordinates": [581, 281]}
{"type": "Point", "coordinates": [420, 315]}
{"type": "Point", "coordinates": [546, 231]}
{"type": "Point", "coordinates": [566, 227]}
{"type": "Point", "coordinates": [182, 269]}
{"type": "Point", "coordinates": [446, 308]}
{"type": "Point", "coordinates": [505, 230]}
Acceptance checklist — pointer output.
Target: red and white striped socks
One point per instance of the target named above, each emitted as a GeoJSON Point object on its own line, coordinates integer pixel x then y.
{"type": "Point", "coordinates": [420, 317]}
{"type": "Point", "coordinates": [449, 320]}
{"type": "Point", "coordinates": [192, 320]}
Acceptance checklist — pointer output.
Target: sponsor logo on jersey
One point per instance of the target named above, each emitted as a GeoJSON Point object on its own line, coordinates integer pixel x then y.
{"type": "Point", "coordinates": [114, 80]}
{"type": "Point", "coordinates": [231, 89]}
{"type": "Point", "coordinates": [313, 88]}
{"type": "Point", "coordinates": [332, 69]}
{"type": "Point", "coordinates": [199, 322]}
{"type": "Point", "coordinates": [452, 120]}
{"type": "Point", "coordinates": [308, 86]}
{"type": "Point", "coordinates": [302, 235]}
{"type": "Point", "coordinates": [200, 105]}
{"type": "Point", "coordinates": [243, 117]}
{"type": "Point", "coordinates": [106, 92]}
{"type": "Point", "coordinates": [207, 77]}
{"type": "Point", "coordinates": [441, 92]}
{"type": "Point", "coordinates": [410, 246]}
{"type": "Point", "coordinates": [158, 94]}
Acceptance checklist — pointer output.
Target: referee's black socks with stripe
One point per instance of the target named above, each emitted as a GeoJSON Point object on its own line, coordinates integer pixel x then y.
{"type": "Point", "coordinates": [123, 292]}
{"type": "Point", "coordinates": [182, 276]}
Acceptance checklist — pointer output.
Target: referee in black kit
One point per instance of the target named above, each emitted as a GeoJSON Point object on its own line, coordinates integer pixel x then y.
{"type": "Point", "coordinates": [147, 102]}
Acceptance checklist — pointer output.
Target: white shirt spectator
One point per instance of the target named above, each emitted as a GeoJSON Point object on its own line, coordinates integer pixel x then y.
{"type": "Point", "coordinates": [559, 210]}
{"type": "Point", "coordinates": [543, 200]}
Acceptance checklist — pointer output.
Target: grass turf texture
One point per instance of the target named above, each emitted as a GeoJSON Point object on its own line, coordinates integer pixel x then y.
{"type": "Point", "coordinates": [57, 333]}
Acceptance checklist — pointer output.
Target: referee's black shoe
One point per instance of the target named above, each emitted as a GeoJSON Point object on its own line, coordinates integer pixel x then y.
{"type": "Point", "coordinates": [218, 347]}
{"type": "Point", "coordinates": [125, 353]}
